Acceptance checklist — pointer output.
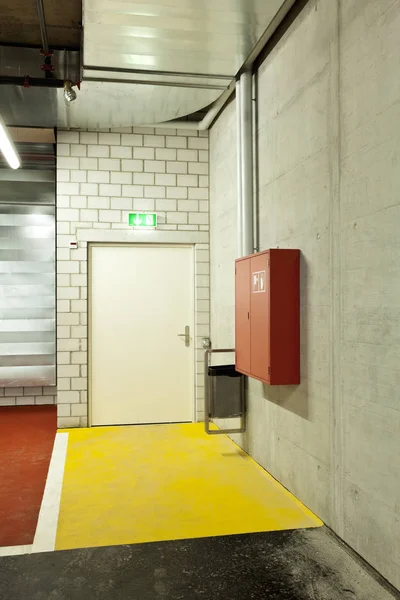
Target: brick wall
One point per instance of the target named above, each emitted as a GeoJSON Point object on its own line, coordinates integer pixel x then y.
{"type": "Point", "coordinates": [102, 176]}
{"type": "Point", "coordinates": [26, 396]}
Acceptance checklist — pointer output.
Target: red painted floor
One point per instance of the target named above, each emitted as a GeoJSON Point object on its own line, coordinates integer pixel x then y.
{"type": "Point", "coordinates": [26, 442]}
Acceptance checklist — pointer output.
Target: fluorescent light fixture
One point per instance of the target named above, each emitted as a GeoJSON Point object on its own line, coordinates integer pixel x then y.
{"type": "Point", "coordinates": [7, 147]}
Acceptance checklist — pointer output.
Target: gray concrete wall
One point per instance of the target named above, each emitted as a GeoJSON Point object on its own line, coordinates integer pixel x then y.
{"type": "Point", "coordinates": [328, 140]}
{"type": "Point", "coordinates": [223, 233]}
{"type": "Point", "coordinates": [370, 280]}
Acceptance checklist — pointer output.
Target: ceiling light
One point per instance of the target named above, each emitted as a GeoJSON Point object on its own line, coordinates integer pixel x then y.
{"type": "Point", "coordinates": [7, 147]}
{"type": "Point", "coordinates": [69, 93]}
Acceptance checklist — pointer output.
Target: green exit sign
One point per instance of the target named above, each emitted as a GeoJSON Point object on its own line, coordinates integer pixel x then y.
{"type": "Point", "coordinates": [138, 219]}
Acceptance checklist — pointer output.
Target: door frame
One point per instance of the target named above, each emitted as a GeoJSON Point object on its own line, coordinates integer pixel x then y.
{"type": "Point", "coordinates": [192, 323]}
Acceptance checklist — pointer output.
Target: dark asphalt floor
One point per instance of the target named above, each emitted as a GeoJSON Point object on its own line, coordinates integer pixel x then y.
{"type": "Point", "coordinates": [284, 565]}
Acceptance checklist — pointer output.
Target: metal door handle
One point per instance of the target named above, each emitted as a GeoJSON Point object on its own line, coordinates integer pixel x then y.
{"type": "Point", "coordinates": [186, 335]}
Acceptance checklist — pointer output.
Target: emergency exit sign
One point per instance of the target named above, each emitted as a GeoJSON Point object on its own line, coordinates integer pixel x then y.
{"type": "Point", "coordinates": [144, 220]}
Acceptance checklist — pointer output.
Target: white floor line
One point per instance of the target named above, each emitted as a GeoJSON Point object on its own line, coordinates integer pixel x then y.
{"type": "Point", "coordinates": [15, 550]}
{"type": "Point", "coordinates": [46, 530]}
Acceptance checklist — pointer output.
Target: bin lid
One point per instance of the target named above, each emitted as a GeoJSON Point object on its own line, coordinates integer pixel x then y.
{"type": "Point", "coordinates": [223, 370]}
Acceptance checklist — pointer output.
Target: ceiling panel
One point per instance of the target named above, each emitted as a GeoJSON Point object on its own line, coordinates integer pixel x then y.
{"type": "Point", "coordinates": [211, 37]}
{"type": "Point", "coordinates": [101, 104]}
{"type": "Point", "coordinates": [144, 62]}
{"type": "Point", "coordinates": [105, 104]}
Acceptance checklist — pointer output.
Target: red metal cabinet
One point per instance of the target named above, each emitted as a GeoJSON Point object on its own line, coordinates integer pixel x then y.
{"type": "Point", "coordinates": [242, 322]}
{"type": "Point", "coordinates": [267, 310]}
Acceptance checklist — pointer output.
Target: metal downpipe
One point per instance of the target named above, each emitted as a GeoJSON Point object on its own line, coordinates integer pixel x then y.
{"type": "Point", "coordinates": [246, 161]}
{"type": "Point", "coordinates": [239, 172]}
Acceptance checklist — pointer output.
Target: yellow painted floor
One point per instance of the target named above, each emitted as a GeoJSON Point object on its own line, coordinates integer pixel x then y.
{"type": "Point", "coordinates": [165, 482]}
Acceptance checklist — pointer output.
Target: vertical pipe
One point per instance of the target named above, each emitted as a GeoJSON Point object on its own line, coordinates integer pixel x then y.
{"type": "Point", "coordinates": [246, 119]}
{"type": "Point", "coordinates": [42, 25]}
{"type": "Point", "coordinates": [256, 172]}
{"type": "Point", "coordinates": [239, 172]}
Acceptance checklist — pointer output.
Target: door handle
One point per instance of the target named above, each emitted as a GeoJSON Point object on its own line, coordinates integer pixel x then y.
{"type": "Point", "coordinates": [186, 335]}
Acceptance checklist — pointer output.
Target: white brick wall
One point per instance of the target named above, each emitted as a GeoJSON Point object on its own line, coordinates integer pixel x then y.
{"type": "Point", "coordinates": [26, 396]}
{"type": "Point", "coordinates": [102, 176]}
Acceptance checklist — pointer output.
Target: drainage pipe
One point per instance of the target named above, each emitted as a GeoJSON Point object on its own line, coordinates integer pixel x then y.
{"type": "Point", "coordinates": [245, 110]}
{"type": "Point", "coordinates": [239, 172]}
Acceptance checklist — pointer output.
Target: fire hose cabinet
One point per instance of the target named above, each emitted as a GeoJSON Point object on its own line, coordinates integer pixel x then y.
{"type": "Point", "coordinates": [267, 316]}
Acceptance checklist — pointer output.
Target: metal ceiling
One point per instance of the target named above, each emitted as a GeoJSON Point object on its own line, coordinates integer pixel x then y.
{"type": "Point", "coordinates": [143, 62]}
{"type": "Point", "coordinates": [167, 43]}
{"type": "Point", "coordinates": [212, 37]}
{"type": "Point", "coordinates": [100, 105]}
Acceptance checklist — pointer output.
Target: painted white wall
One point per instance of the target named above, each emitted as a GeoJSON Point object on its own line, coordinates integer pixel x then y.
{"type": "Point", "coordinates": [328, 131]}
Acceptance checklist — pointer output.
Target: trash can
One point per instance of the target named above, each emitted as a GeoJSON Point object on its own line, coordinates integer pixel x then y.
{"type": "Point", "coordinates": [226, 392]}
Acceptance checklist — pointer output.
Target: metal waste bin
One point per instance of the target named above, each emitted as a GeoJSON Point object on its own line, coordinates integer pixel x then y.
{"type": "Point", "coordinates": [224, 395]}
{"type": "Point", "coordinates": [225, 401]}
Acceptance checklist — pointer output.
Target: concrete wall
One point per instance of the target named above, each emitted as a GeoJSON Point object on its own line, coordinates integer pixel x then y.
{"type": "Point", "coordinates": [328, 131]}
{"type": "Point", "coordinates": [223, 230]}
{"type": "Point", "coordinates": [370, 280]}
{"type": "Point", "coordinates": [102, 176]}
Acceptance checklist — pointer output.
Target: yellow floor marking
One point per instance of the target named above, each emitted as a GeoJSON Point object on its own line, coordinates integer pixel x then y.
{"type": "Point", "coordinates": [165, 482]}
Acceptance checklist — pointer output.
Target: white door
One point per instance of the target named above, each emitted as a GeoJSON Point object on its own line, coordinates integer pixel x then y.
{"type": "Point", "coordinates": [141, 369]}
